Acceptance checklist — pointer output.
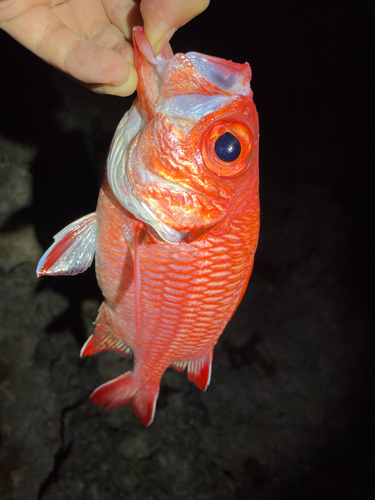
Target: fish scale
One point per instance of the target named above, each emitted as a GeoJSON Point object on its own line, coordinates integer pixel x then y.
{"type": "Point", "coordinates": [158, 331]}
{"type": "Point", "coordinates": [176, 225]}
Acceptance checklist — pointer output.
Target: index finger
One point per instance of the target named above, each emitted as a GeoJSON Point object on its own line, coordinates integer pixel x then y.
{"type": "Point", "coordinates": [40, 30]}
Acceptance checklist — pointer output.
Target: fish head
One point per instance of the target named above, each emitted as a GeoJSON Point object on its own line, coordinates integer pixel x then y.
{"type": "Point", "coordinates": [186, 156]}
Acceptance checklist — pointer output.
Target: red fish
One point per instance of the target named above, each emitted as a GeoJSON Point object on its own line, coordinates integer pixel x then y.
{"type": "Point", "coordinates": [176, 225]}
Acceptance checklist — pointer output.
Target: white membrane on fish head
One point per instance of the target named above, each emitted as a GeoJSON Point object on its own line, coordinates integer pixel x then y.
{"type": "Point", "coordinates": [226, 77]}
{"type": "Point", "coordinates": [184, 111]}
{"type": "Point", "coordinates": [128, 128]}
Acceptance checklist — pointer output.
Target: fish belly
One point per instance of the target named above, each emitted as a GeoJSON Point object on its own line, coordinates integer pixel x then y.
{"type": "Point", "coordinates": [188, 292]}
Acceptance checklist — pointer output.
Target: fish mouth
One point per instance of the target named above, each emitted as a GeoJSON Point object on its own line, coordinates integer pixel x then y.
{"type": "Point", "coordinates": [177, 93]}
{"type": "Point", "coordinates": [191, 74]}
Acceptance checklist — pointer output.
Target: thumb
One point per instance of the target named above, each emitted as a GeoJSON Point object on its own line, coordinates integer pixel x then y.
{"type": "Point", "coordinates": [161, 19]}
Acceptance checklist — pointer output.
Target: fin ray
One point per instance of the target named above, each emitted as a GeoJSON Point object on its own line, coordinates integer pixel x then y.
{"type": "Point", "coordinates": [104, 339]}
{"type": "Point", "coordinates": [179, 366]}
{"type": "Point", "coordinates": [127, 388]}
{"type": "Point", "coordinates": [137, 279]}
{"type": "Point", "coordinates": [73, 249]}
{"type": "Point", "coordinates": [199, 370]}
{"type": "Point", "coordinates": [133, 235]}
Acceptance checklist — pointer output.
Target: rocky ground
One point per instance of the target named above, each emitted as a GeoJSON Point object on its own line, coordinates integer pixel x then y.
{"type": "Point", "coordinates": [287, 414]}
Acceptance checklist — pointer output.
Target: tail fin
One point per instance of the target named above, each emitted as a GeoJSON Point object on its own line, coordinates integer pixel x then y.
{"type": "Point", "coordinates": [124, 389]}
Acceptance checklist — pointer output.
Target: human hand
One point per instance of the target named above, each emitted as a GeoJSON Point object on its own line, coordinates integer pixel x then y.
{"type": "Point", "coordinates": [90, 40]}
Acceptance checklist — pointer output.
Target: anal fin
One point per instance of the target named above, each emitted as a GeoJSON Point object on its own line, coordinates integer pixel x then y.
{"type": "Point", "coordinates": [103, 340]}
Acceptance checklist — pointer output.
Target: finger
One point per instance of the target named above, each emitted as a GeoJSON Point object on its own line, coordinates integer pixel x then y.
{"type": "Point", "coordinates": [110, 72]}
{"type": "Point", "coordinates": [110, 37]}
{"type": "Point", "coordinates": [163, 18]}
{"type": "Point", "coordinates": [124, 14]}
{"type": "Point", "coordinates": [84, 17]}
{"type": "Point", "coordinates": [42, 32]}
{"type": "Point", "coordinates": [10, 9]}
{"type": "Point", "coordinates": [123, 90]}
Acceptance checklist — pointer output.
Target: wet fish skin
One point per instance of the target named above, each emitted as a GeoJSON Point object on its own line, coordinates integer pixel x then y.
{"type": "Point", "coordinates": [175, 229]}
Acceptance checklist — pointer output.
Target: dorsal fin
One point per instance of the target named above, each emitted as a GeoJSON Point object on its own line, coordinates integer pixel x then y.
{"type": "Point", "coordinates": [179, 366]}
{"type": "Point", "coordinates": [198, 369]}
{"type": "Point", "coordinates": [73, 250]}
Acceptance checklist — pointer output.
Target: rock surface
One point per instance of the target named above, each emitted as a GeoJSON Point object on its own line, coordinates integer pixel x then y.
{"type": "Point", "coordinates": [286, 415]}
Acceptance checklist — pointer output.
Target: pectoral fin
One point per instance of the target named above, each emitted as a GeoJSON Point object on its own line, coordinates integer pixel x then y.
{"type": "Point", "coordinates": [73, 250]}
{"type": "Point", "coordinates": [133, 234]}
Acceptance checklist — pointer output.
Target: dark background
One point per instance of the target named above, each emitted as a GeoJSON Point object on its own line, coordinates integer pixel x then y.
{"type": "Point", "coordinates": [289, 412]}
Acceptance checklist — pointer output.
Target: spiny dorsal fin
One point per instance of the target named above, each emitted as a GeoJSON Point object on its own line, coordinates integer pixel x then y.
{"type": "Point", "coordinates": [73, 250]}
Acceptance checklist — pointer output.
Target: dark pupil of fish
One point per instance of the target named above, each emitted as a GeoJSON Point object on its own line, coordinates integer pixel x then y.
{"type": "Point", "coordinates": [227, 147]}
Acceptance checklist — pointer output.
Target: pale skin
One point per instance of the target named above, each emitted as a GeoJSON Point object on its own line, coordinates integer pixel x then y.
{"type": "Point", "coordinates": [90, 40]}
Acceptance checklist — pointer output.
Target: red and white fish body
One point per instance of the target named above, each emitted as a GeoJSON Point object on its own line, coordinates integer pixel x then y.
{"type": "Point", "coordinates": [176, 226]}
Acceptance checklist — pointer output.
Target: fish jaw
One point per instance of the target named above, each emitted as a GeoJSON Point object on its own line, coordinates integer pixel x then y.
{"type": "Point", "coordinates": [161, 79]}
{"type": "Point", "coordinates": [150, 71]}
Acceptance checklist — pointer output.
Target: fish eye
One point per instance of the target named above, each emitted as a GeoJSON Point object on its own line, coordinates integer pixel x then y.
{"type": "Point", "coordinates": [227, 147]}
